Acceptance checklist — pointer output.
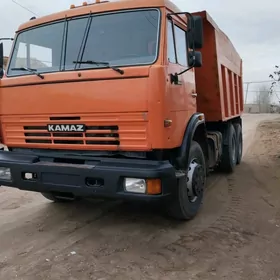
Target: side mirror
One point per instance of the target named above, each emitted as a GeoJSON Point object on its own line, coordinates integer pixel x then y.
{"type": "Point", "coordinates": [1, 61]}
{"type": "Point", "coordinates": [195, 59]}
{"type": "Point", "coordinates": [195, 33]}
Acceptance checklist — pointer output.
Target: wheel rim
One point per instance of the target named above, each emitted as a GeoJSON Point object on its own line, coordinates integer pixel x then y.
{"type": "Point", "coordinates": [195, 181]}
{"type": "Point", "coordinates": [233, 148]}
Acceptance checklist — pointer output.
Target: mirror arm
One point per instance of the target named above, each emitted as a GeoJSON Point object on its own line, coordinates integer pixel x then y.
{"type": "Point", "coordinates": [191, 30]}
{"type": "Point", "coordinates": [6, 39]}
{"type": "Point", "coordinates": [188, 15]}
{"type": "Point", "coordinates": [174, 77]}
{"type": "Point", "coordinates": [187, 69]}
{"type": "Point", "coordinates": [184, 71]}
{"type": "Point", "coordinates": [190, 24]}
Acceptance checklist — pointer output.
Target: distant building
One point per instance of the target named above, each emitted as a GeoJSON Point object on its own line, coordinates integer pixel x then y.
{"type": "Point", "coordinates": [261, 108]}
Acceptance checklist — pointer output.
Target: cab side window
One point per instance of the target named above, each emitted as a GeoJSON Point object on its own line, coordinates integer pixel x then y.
{"type": "Point", "coordinates": [181, 46]}
{"type": "Point", "coordinates": [178, 50]}
{"type": "Point", "coordinates": [170, 44]}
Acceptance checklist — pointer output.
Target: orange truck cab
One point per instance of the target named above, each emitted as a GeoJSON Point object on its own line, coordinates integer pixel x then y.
{"type": "Point", "coordinates": [129, 100]}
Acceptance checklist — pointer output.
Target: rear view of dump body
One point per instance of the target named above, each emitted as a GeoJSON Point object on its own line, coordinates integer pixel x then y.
{"type": "Point", "coordinates": [219, 80]}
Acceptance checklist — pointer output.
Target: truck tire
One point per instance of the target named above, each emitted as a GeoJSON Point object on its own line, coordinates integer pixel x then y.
{"type": "Point", "coordinates": [229, 156]}
{"type": "Point", "coordinates": [187, 201]}
{"type": "Point", "coordinates": [239, 142]}
{"type": "Point", "coordinates": [57, 199]}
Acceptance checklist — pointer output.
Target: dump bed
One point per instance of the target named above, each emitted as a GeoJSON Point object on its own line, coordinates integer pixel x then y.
{"type": "Point", "coordinates": [219, 80]}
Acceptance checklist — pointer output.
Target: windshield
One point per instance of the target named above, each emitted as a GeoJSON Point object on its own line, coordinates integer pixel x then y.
{"type": "Point", "coordinates": [120, 39]}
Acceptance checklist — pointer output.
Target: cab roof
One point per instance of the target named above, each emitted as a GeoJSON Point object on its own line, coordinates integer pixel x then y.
{"type": "Point", "coordinates": [101, 7]}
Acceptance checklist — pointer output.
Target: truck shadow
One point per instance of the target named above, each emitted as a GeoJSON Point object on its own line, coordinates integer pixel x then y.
{"type": "Point", "coordinates": [98, 224]}
{"type": "Point", "coordinates": [93, 210]}
{"type": "Point", "coordinates": [97, 213]}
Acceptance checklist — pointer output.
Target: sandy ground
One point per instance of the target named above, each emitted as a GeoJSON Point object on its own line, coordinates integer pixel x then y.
{"type": "Point", "coordinates": [235, 236]}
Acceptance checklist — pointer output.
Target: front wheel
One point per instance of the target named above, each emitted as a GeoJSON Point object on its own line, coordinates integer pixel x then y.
{"type": "Point", "coordinates": [187, 201]}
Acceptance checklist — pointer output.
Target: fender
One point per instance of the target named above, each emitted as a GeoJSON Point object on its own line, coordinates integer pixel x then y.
{"type": "Point", "coordinates": [183, 152]}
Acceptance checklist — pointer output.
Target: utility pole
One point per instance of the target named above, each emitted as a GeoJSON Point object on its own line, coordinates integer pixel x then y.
{"type": "Point", "coordinates": [247, 88]}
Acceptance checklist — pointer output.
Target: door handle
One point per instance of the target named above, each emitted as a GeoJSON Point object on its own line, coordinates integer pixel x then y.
{"type": "Point", "coordinates": [194, 94]}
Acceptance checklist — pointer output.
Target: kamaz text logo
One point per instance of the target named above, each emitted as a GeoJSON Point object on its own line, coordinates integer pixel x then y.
{"type": "Point", "coordinates": [66, 128]}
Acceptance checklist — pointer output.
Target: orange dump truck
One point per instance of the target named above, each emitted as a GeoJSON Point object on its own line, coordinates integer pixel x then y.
{"type": "Point", "coordinates": [131, 100]}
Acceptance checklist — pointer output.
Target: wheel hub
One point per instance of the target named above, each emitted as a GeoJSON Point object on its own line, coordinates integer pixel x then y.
{"type": "Point", "coordinates": [195, 181]}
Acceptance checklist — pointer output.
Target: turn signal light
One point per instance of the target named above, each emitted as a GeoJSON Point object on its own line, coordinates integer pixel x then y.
{"type": "Point", "coordinates": [167, 123]}
{"type": "Point", "coordinates": [154, 186]}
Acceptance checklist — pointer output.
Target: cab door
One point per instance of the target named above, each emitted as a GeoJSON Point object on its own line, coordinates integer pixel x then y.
{"type": "Point", "coordinates": [182, 96]}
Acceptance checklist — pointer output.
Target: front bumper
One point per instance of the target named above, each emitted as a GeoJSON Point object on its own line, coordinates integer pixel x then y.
{"type": "Point", "coordinates": [106, 176]}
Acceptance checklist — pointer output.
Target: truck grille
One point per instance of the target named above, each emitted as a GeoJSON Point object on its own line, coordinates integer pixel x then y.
{"type": "Point", "coordinates": [94, 135]}
{"type": "Point", "coordinates": [110, 131]}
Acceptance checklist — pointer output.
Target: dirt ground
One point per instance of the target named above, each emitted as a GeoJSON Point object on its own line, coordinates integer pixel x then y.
{"type": "Point", "coordinates": [235, 236]}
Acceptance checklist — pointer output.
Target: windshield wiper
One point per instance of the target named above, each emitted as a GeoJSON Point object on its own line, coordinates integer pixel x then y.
{"type": "Point", "coordinates": [33, 71]}
{"type": "Point", "coordinates": [107, 64]}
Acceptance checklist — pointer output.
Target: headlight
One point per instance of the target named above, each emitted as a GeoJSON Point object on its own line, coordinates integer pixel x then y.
{"type": "Point", "coordinates": [135, 185]}
{"type": "Point", "coordinates": [5, 173]}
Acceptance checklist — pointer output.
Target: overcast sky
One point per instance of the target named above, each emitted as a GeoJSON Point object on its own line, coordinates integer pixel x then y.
{"type": "Point", "coordinates": [251, 25]}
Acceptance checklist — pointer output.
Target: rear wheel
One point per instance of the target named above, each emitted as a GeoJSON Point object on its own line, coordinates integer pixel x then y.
{"type": "Point", "coordinates": [239, 142]}
{"type": "Point", "coordinates": [186, 203]}
{"type": "Point", "coordinates": [228, 160]}
{"type": "Point", "coordinates": [59, 198]}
